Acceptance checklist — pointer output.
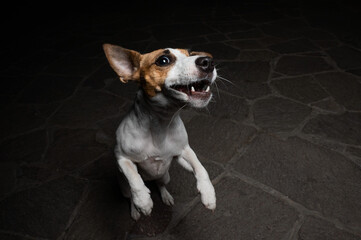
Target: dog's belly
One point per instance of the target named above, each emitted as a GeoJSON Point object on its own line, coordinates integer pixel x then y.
{"type": "Point", "coordinates": [153, 168]}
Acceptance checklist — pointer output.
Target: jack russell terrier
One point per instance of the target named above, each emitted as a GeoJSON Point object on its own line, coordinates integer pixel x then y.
{"type": "Point", "coordinates": [152, 134]}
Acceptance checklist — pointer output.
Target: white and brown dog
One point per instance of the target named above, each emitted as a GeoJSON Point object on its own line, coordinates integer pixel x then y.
{"type": "Point", "coordinates": [152, 134]}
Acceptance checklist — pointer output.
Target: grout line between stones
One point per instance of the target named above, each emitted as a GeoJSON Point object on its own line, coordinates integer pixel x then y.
{"type": "Point", "coordinates": [75, 211]}
{"type": "Point", "coordinates": [26, 237]}
{"type": "Point", "coordinates": [297, 206]}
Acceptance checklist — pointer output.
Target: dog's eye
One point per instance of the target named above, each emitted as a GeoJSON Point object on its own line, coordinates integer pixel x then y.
{"type": "Point", "coordinates": [163, 60]}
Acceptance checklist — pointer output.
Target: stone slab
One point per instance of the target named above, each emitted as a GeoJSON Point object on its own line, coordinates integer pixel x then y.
{"type": "Point", "coordinates": [229, 107]}
{"type": "Point", "coordinates": [297, 65]}
{"type": "Point", "coordinates": [319, 179]}
{"type": "Point", "coordinates": [240, 214]}
{"type": "Point", "coordinates": [104, 214]}
{"type": "Point", "coordinates": [97, 79]}
{"type": "Point", "coordinates": [48, 88]}
{"type": "Point", "coordinates": [346, 57]}
{"type": "Point", "coordinates": [25, 148]}
{"type": "Point", "coordinates": [250, 34]}
{"type": "Point", "coordinates": [314, 228]}
{"type": "Point", "coordinates": [345, 128]}
{"type": "Point", "coordinates": [238, 72]}
{"type": "Point", "coordinates": [183, 186]}
{"type": "Point", "coordinates": [245, 44]}
{"type": "Point", "coordinates": [41, 212]}
{"type": "Point", "coordinates": [73, 65]}
{"type": "Point", "coordinates": [7, 177]}
{"type": "Point", "coordinates": [329, 105]}
{"type": "Point", "coordinates": [303, 89]}
{"type": "Point", "coordinates": [257, 55]}
{"type": "Point", "coordinates": [209, 137]}
{"type": "Point", "coordinates": [277, 114]}
{"type": "Point", "coordinates": [86, 108]}
{"type": "Point", "coordinates": [344, 87]}
{"type": "Point", "coordinates": [294, 46]}
{"type": "Point", "coordinates": [14, 123]}
{"type": "Point", "coordinates": [173, 30]}
{"type": "Point", "coordinates": [70, 150]}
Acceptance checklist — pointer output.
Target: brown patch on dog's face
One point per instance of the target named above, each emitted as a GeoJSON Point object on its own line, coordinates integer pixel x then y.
{"type": "Point", "coordinates": [201, 54]}
{"type": "Point", "coordinates": [154, 68]}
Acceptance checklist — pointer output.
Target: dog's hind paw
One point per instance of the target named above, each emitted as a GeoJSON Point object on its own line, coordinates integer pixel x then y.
{"type": "Point", "coordinates": [134, 212]}
{"type": "Point", "coordinates": [167, 198]}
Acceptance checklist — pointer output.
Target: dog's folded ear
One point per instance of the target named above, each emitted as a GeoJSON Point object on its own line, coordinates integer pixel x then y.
{"type": "Point", "coordinates": [125, 62]}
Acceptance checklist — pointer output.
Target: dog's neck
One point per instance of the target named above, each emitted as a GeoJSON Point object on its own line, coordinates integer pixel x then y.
{"type": "Point", "coordinates": [155, 111]}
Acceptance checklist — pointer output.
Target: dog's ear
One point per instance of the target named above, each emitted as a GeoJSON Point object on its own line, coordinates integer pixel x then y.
{"type": "Point", "coordinates": [125, 62]}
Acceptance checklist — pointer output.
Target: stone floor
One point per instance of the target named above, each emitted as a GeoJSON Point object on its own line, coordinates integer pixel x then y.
{"type": "Point", "coordinates": [281, 140]}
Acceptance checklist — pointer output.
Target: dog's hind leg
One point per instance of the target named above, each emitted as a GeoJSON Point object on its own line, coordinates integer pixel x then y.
{"type": "Point", "coordinates": [166, 196]}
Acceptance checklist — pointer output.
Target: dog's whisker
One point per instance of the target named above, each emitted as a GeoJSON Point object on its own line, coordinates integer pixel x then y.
{"type": "Point", "coordinates": [171, 120]}
{"type": "Point", "coordinates": [219, 96]}
{"type": "Point", "coordinates": [225, 79]}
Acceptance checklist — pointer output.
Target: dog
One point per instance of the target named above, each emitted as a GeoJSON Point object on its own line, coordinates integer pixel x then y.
{"type": "Point", "coordinates": [152, 134]}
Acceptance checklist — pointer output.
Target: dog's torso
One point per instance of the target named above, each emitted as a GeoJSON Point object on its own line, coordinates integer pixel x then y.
{"type": "Point", "coordinates": [149, 140]}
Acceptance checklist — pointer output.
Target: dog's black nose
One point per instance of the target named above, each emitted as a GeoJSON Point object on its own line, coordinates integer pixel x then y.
{"type": "Point", "coordinates": [205, 64]}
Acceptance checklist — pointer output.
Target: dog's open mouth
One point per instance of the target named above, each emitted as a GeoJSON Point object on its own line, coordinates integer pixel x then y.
{"type": "Point", "coordinates": [199, 89]}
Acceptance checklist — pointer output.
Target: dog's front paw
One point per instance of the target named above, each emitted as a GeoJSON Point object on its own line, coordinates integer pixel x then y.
{"type": "Point", "coordinates": [208, 195]}
{"type": "Point", "coordinates": [142, 201]}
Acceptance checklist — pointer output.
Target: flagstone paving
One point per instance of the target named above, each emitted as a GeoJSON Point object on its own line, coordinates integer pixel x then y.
{"type": "Point", "coordinates": [281, 138]}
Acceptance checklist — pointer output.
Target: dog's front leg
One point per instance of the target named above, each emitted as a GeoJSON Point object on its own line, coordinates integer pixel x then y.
{"type": "Point", "coordinates": [204, 184]}
{"type": "Point", "coordinates": [140, 194]}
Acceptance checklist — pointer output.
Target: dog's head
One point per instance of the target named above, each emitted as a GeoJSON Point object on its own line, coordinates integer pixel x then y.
{"type": "Point", "coordinates": [166, 75]}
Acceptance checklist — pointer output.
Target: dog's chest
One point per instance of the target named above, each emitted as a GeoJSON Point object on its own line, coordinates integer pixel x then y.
{"type": "Point", "coordinates": [160, 151]}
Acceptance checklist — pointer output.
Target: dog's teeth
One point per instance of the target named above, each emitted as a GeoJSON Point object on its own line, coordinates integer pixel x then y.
{"type": "Point", "coordinates": [192, 89]}
{"type": "Point", "coordinates": [208, 88]}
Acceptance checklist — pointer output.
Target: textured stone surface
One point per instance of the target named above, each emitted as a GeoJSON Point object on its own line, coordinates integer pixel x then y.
{"type": "Point", "coordinates": [14, 122]}
{"type": "Point", "coordinates": [329, 104]}
{"type": "Point", "coordinates": [294, 46]}
{"type": "Point", "coordinates": [47, 88]}
{"type": "Point", "coordinates": [333, 127]}
{"type": "Point", "coordinates": [278, 114]}
{"type": "Point", "coordinates": [296, 65]}
{"type": "Point", "coordinates": [238, 205]}
{"type": "Point", "coordinates": [70, 150]}
{"type": "Point", "coordinates": [43, 211]}
{"type": "Point", "coordinates": [86, 108]}
{"type": "Point", "coordinates": [250, 34]}
{"type": "Point", "coordinates": [25, 148]}
{"type": "Point", "coordinates": [183, 184]}
{"type": "Point", "coordinates": [245, 44]}
{"type": "Point", "coordinates": [317, 178]}
{"type": "Point", "coordinates": [73, 65]}
{"type": "Point", "coordinates": [104, 214]}
{"type": "Point", "coordinates": [202, 132]}
{"type": "Point", "coordinates": [238, 110]}
{"type": "Point", "coordinates": [295, 73]}
{"type": "Point", "coordinates": [345, 88]}
{"type": "Point", "coordinates": [7, 177]}
{"type": "Point", "coordinates": [346, 57]}
{"type": "Point", "coordinates": [257, 55]}
{"type": "Point", "coordinates": [303, 89]}
{"type": "Point", "coordinates": [245, 71]}
{"type": "Point", "coordinates": [314, 228]}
